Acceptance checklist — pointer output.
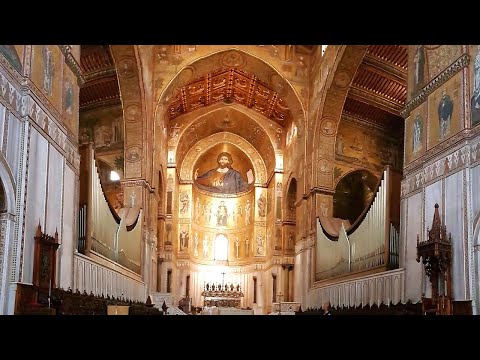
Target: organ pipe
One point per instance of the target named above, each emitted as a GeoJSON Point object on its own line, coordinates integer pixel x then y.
{"type": "Point", "coordinates": [372, 242]}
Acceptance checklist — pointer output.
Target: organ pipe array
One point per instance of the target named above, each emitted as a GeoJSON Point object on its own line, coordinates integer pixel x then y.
{"type": "Point", "coordinates": [101, 230]}
{"type": "Point", "coordinates": [371, 243]}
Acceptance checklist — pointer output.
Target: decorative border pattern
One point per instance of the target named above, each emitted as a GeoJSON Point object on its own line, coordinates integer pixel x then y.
{"type": "Point", "coordinates": [435, 170]}
{"type": "Point", "coordinates": [142, 183]}
{"type": "Point", "coordinates": [27, 106]}
{"type": "Point", "coordinates": [5, 132]}
{"type": "Point", "coordinates": [40, 98]}
{"type": "Point", "coordinates": [3, 226]}
{"type": "Point", "coordinates": [72, 63]}
{"type": "Point", "coordinates": [10, 69]}
{"type": "Point", "coordinates": [466, 235]}
{"type": "Point", "coordinates": [25, 99]}
{"type": "Point", "coordinates": [438, 81]}
{"type": "Point", "coordinates": [26, 136]}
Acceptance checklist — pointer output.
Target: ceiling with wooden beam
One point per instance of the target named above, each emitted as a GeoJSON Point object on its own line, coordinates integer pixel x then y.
{"type": "Point", "coordinates": [377, 93]}
{"type": "Point", "coordinates": [229, 85]}
{"type": "Point", "coordinates": [379, 89]}
{"type": "Point", "coordinates": [101, 83]}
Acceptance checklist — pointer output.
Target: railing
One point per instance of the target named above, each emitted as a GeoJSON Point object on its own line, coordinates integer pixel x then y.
{"type": "Point", "coordinates": [385, 287]}
{"type": "Point", "coordinates": [106, 278]}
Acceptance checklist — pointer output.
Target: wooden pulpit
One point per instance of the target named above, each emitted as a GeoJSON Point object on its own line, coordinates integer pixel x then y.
{"type": "Point", "coordinates": [436, 254]}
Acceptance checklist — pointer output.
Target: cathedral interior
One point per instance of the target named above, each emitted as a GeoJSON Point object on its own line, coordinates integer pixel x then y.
{"type": "Point", "coordinates": [249, 179]}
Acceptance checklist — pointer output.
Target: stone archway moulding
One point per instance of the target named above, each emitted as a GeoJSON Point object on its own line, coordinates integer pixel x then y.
{"type": "Point", "coordinates": [256, 132]}
{"type": "Point", "coordinates": [330, 113]}
{"type": "Point", "coordinates": [190, 70]}
{"type": "Point", "coordinates": [132, 94]}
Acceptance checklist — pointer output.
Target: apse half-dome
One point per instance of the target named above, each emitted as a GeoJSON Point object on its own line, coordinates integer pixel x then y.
{"type": "Point", "coordinates": [224, 169]}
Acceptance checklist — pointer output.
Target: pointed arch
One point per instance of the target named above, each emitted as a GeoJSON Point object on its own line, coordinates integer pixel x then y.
{"type": "Point", "coordinates": [338, 83]}
{"type": "Point", "coordinates": [291, 199]}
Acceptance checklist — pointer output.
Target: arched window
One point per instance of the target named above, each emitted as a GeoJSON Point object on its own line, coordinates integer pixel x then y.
{"type": "Point", "coordinates": [221, 247]}
{"type": "Point", "coordinates": [291, 200]}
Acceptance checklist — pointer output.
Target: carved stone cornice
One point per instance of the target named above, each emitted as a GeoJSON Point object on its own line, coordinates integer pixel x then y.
{"type": "Point", "coordinates": [10, 69]}
{"type": "Point", "coordinates": [452, 143]}
{"type": "Point", "coordinates": [27, 104]}
{"type": "Point", "coordinates": [434, 170]}
{"type": "Point", "coordinates": [41, 98]}
{"type": "Point", "coordinates": [22, 86]}
{"type": "Point", "coordinates": [438, 81]}
{"type": "Point", "coordinates": [72, 63]}
{"type": "Point", "coordinates": [11, 95]}
{"type": "Point", "coordinates": [138, 182]}
{"type": "Point", "coordinates": [183, 264]}
{"type": "Point", "coordinates": [288, 260]}
{"type": "Point", "coordinates": [56, 133]}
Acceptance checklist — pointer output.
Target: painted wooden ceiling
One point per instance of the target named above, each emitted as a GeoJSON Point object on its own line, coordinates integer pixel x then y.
{"type": "Point", "coordinates": [228, 85]}
{"type": "Point", "coordinates": [379, 88]}
{"type": "Point", "coordinates": [377, 94]}
{"type": "Point", "coordinates": [101, 83]}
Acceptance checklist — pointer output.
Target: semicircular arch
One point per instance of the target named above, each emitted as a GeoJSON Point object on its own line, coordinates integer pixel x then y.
{"type": "Point", "coordinates": [239, 123]}
{"type": "Point", "coordinates": [186, 168]}
{"type": "Point", "coordinates": [250, 63]}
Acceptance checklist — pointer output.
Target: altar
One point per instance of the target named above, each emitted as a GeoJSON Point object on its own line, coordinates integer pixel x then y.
{"type": "Point", "coordinates": [226, 311]}
{"type": "Point", "coordinates": [222, 296]}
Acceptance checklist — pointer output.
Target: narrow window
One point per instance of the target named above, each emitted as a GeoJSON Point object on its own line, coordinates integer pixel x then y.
{"type": "Point", "coordinates": [187, 287]}
{"type": "Point", "coordinates": [169, 281]}
{"type": "Point", "coordinates": [274, 287]}
{"type": "Point", "coordinates": [254, 290]}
